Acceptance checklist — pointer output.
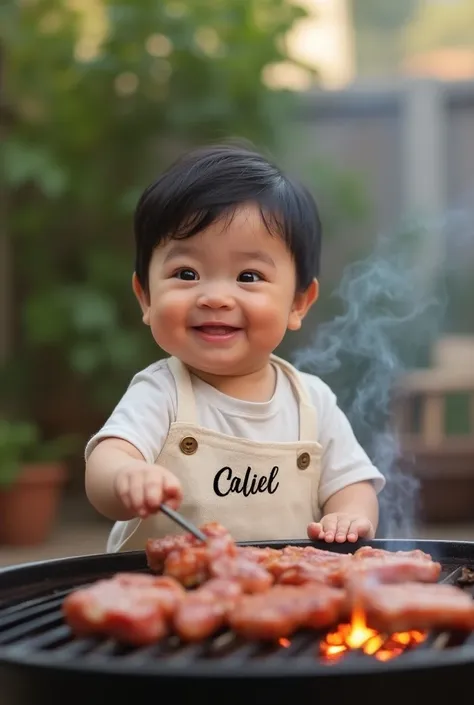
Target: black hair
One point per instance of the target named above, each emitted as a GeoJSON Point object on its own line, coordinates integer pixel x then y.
{"type": "Point", "coordinates": [209, 183]}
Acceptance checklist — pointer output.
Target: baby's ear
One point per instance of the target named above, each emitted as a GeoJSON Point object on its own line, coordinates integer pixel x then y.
{"type": "Point", "coordinates": [301, 304]}
{"type": "Point", "coordinates": [142, 298]}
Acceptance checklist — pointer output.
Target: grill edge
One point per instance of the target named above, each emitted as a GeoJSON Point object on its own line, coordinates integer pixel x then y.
{"type": "Point", "coordinates": [42, 652]}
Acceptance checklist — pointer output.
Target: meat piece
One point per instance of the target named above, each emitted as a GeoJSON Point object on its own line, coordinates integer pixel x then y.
{"type": "Point", "coordinates": [171, 591]}
{"type": "Point", "coordinates": [466, 577]}
{"type": "Point", "coordinates": [212, 529]}
{"type": "Point", "coordinates": [157, 550]}
{"type": "Point", "coordinates": [318, 557]}
{"type": "Point", "coordinates": [369, 552]}
{"type": "Point", "coordinates": [300, 567]}
{"type": "Point", "coordinates": [189, 565]}
{"type": "Point", "coordinates": [286, 608]}
{"type": "Point", "coordinates": [393, 569]}
{"type": "Point", "coordinates": [386, 569]}
{"type": "Point", "coordinates": [301, 572]}
{"type": "Point", "coordinates": [252, 577]}
{"type": "Point", "coordinates": [314, 554]}
{"type": "Point", "coordinates": [409, 606]}
{"type": "Point", "coordinates": [219, 543]}
{"type": "Point", "coordinates": [204, 610]}
{"type": "Point", "coordinates": [258, 555]}
{"type": "Point", "coordinates": [135, 609]}
{"type": "Point", "coordinates": [221, 546]}
{"type": "Point", "coordinates": [277, 566]}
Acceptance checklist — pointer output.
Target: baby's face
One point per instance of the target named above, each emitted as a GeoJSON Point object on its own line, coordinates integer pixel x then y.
{"type": "Point", "coordinates": [222, 300]}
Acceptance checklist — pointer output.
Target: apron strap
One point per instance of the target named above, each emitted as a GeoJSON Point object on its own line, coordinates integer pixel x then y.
{"type": "Point", "coordinates": [186, 412]}
{"type": "Point", "coordinates": [308, 418]}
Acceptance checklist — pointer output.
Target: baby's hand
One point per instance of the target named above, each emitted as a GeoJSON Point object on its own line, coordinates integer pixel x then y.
{"type": "Point", "coordinates": [142, 487]}
{"type": "Point", "coordinates": [341, 527]}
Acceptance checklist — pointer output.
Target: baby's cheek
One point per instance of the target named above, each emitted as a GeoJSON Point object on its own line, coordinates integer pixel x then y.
{"type": "Point", "coordinates": [167, 327]}
{"type": "Point", "coordinates": [269, 324]}
{"type": "Point", "coordinates": [170, 310]}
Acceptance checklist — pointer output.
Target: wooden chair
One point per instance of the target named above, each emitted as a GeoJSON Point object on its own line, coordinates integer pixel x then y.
{"type": "Point", "coordinates": [434, 416]}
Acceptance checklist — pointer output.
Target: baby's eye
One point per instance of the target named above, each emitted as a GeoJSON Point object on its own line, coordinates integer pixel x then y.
{"type": "Point", "coordinates": [249, 277]}
{"type": "Point", "coordinates": [187, 275]}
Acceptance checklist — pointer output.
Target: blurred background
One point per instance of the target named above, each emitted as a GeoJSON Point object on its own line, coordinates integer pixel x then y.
{"type": "Point", "coordinates": [371, 102]}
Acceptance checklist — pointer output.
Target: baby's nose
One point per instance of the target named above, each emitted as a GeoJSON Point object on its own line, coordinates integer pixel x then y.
{"type": "Point", "coordinates": [217, 297]}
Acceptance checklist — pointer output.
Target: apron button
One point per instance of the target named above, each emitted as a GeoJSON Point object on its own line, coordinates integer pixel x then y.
{"type": "Point", "coordinates": [303, 461]}
{"type": "Point", "coordinates": [188, 445]}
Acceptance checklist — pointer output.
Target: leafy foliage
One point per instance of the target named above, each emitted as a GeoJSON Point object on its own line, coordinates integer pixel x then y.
{"type": "Point", "coordinates": [104, 94]}
{"type": "Point", "coordinates": [20, 443]}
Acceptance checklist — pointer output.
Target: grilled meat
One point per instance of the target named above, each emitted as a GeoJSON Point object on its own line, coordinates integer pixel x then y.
{"type": "Point", "coordinates": [157, 550]}
{"type": "Point", "coordinates": [286, 608]}
{"type": "Point", "coordinates": [132, 608]}
{"type": "Point", "coordinates": [466, 577]}
{"type": "Point", "coordinates": [264, 593]}
{"type": "Point", "coordinates": [302, 572]}
{"type": "Point", "coordinates": [252, 577]}
{"type": "Point", "coordinates": [369, 552]}
{"type": "Point", "coordinates": [387, 570]}
{"type": "Point", "coordinates": [204, 610]}
{"type": "Point", "coordinates": [407, 606]}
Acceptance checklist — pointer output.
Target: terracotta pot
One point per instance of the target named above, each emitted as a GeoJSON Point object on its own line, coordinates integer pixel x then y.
{"type": "Point", "coordinates": [28, 508]}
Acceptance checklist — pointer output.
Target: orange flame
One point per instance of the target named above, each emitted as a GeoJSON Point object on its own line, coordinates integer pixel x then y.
{"type": "Point", "coordinates": [357, 635]}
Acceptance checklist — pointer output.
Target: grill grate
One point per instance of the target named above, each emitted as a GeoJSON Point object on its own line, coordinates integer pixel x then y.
{"type": "Point", "coordinates": [41, 663]}
{"type": "Point", "coordinates": [33, 631]}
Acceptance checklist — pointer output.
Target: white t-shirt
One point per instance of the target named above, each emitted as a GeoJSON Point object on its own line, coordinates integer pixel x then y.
{"type": "Point", "coordinates": [144, 414]}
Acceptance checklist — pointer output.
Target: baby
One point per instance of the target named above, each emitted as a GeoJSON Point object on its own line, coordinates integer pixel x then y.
{"type": "Point", "coordinates": [227, 255]}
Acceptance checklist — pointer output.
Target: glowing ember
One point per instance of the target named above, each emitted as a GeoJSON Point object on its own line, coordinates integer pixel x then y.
{"type": "Point", "coordinates": [284, 642]}
{"type": "Point", "coordinates": [357, 635]}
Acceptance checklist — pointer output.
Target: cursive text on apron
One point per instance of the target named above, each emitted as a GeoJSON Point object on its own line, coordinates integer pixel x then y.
{"type": "Point", "coordinates": [225, 482]}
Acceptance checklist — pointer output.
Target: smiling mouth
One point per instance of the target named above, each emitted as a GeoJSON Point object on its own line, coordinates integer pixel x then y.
{"type": "Point", "coordinates": [216, 330]}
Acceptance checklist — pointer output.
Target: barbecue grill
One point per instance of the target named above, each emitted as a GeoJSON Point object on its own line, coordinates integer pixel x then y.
{"type": "Point", "coordinates": [42, 663]}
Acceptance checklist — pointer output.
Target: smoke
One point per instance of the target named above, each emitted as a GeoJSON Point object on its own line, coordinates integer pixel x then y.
{"type": "Point", "coordinates": [388, 319]}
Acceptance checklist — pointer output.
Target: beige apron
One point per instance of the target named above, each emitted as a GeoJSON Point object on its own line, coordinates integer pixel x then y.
{"type": "Point", "coordinates": [259, 491]}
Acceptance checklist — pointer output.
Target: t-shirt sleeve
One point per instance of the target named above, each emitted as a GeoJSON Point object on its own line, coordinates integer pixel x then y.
{"type": "Point", "coordinates": [344, 462]}
{"type": "Point", "coordinates": [144, 413]}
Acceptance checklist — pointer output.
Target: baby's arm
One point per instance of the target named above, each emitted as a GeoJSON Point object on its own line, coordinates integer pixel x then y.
{"type": "Point", "coordinates": [121, 485]}
{"type": "Point", "coordinates": [349, 514]}
{"type": "Point", "coordinates": [122, 479]}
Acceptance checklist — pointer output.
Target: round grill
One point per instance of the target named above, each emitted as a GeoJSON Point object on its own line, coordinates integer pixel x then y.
{"type": "Point", "coordinates": [41, 662]}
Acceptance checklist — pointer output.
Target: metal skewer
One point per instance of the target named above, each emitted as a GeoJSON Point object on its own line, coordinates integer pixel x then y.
{"type": "Point", "coordinates": [184, 523]}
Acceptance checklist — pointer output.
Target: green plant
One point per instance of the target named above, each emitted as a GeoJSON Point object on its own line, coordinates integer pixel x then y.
{"type": "Point", "coordinates": [122, 87]}
{"type": "Point", "coordinates": [21, 442]}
